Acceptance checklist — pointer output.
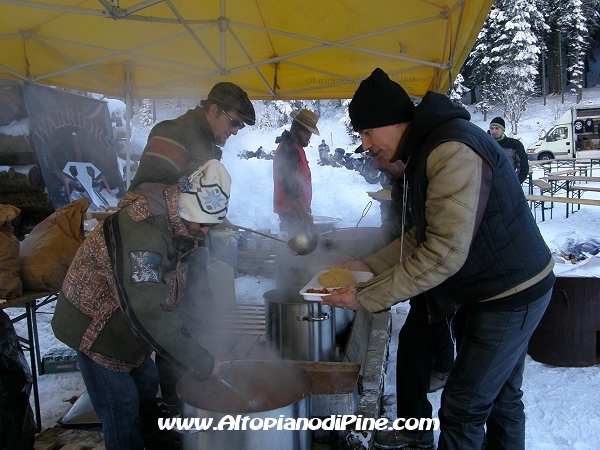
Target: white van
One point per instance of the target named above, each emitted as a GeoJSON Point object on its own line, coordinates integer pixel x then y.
{"type": "Point", "coordinates": [576, 131]}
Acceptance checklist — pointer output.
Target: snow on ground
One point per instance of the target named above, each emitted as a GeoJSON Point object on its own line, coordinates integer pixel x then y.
{"type": "Point", "coordinates": [562, 404]}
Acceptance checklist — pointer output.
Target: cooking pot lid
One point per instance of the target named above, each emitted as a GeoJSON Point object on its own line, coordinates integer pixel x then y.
{"type": "Point", "coordinates": [318, 220]}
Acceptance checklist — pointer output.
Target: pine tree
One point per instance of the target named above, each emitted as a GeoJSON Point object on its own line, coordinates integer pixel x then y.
{"type": "Point", "coordinates": [146, 113]}
{"type": "Point", "coordinates": [591, 12]}
{"type": "Point", "coordinates": [479, 64]}
{"type": "Point", "coordinates": [354, 137]}
{"type": "Point", "coordinates": [514, 58]}
{"type": "Point", "coordinates": [573, 24]}
{"type": "Point", "coordinates": [458, 90]}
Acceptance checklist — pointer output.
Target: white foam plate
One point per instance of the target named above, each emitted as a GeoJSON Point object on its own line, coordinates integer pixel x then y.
{"type": "Point", "coordinates": [314, 284]}
{"type": "Point", "coordinates": [380, 196]}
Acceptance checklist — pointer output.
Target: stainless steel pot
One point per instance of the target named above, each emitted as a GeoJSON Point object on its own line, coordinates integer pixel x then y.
{"type": "Point", "coordinates": [343, 320]}
{"type": "Point", "coordinates": [357, 242]}
{"type": "Point", "coordinates": [299, 329]}
{"type": "Point", "coordinates": [325, 223]}
{"type": "Point", "coordinates": [284, 389]}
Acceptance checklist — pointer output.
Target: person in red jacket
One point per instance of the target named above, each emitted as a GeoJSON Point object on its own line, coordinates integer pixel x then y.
{"type": "Point", "coordinates": [292, 193]}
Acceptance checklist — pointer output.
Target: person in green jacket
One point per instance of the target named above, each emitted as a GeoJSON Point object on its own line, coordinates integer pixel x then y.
{"type": "Point", "coordinates": [515, 152]}
{"type": "Point", "coordinates": [116, 306]}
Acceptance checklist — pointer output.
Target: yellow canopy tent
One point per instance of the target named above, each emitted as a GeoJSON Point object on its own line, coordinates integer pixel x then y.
{"type": "Point", "coordinates": [273, 49]}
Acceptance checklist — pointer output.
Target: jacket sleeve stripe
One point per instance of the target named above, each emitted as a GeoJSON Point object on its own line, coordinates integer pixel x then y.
{"type": "Point", "coordinates": [168, 150]}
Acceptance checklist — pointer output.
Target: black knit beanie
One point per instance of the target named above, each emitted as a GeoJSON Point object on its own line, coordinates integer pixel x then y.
{"type": "Point", "coordinates": [379, 102]}
{"type": "Point", "coordinates": [498, 122]}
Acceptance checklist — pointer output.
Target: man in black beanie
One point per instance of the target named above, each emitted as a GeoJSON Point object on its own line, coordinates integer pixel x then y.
{"type": "Point", "coordinates": [473, 241]}
{"type": "Point", "coordinates": [515, 152]}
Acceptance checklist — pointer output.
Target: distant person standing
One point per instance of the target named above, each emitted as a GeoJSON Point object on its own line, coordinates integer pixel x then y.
{"type": "Point", "coordinates": [513, 148]}
{"type": "Point", "coordinates": [323, 151]}
{"type": "Point", "coordinates": [292, 183]}
{"type": "Point", "coordinates": [178, 147]}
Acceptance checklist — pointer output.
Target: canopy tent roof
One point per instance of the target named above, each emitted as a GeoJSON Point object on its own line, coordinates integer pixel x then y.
{"type": "Point", "coordinates": [273, 49]}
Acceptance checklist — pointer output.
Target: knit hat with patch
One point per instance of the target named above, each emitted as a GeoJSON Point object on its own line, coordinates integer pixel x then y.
{"type": "Point", "coordinates": [379, 102]}
{"type": "Point", "coordinates": [498, 122]}
{"type": "Point", "coordinates": [233, 96]}
{"type": "Point", "coordinates": [204, 195]}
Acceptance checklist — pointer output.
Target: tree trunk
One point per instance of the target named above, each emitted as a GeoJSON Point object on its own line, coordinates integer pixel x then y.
{"type": "Point", "coordinates": [560, 67]}
{"type": "Point", "coordinates": [543, 72]}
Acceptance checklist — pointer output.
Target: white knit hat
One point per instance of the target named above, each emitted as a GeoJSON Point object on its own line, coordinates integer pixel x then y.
{"type": "Point", "coordinates": [204, 195]}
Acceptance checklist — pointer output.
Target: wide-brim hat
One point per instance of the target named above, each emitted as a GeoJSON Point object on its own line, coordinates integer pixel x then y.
{"type": "Point", "coordinates": [307, 119]}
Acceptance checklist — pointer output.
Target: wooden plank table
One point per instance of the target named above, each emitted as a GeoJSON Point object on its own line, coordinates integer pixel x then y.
{"type": "Point", "coordinates": [567, 200]}
{"type": "Point", "coordinates": [566, 183]}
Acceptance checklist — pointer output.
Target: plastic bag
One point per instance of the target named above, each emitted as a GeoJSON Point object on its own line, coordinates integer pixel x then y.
{"type": "Point", "coordinates": [574, 246]}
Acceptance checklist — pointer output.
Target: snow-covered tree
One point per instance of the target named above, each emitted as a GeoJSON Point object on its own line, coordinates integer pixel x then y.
{"type": "Point", "coordinates": [484, 105]}
{"type": "Point", "coordinates": [354, 137]}
{"type": "Point", "coordinates": [573, 25]}
{"type": "Point", "coordinates": [478, 67]}
{"type": "Point", "coordinates": [146, 113]}
{"type": "Point", "coordinates": [458, 90]}
{"type": "Point", "coordinates": [514, 58]}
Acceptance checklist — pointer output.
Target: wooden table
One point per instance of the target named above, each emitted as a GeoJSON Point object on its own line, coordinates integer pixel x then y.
{"type": "Point", "coordinates": [29, 301]}
{"type": "Point", "coordinates": [566, 183]}
{"type": "Point", "coordinates": [567, 200]}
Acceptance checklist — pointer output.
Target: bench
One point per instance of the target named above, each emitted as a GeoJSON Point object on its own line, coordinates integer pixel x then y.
{"type": "Point", "coordinates": [575, 171]}
{"type": "Point", "coordinates": [585, 188]}
{"type": "Point", "coordinates": [540, 199]}
{"type": "Point", "coordinates": [543, 186]}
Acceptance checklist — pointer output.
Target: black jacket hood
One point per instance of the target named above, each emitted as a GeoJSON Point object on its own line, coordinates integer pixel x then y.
{"type": "Point", "coordinates": [433, 110]}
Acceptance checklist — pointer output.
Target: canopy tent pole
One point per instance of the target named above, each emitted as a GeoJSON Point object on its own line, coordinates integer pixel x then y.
{"type": "Point", "coordinates": [127, 123]}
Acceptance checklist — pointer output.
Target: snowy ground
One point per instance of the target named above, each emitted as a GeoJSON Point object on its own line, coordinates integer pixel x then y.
{"type": "Point", "coordinates": [562, 404]}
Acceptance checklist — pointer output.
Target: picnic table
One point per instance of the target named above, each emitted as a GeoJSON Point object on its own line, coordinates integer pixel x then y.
{"type": "Point", "coordinates": [568, 183]}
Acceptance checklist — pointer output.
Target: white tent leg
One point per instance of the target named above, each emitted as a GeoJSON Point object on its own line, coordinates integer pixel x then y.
{"type": "Point", "coordinates": [128, 125]}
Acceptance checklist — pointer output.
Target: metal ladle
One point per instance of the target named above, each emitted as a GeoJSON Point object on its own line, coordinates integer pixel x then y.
{"type": "Point", "coordinates": [256, 404]}
{"type": "Point", "coordinates": [300, 245]}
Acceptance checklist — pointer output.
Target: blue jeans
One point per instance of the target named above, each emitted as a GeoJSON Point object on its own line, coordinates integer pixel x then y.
{"type": "Point", "coordinates": [125, 403]}
{"type": "Point", "coordinates": [420, 345]}
{"type": "Point", "coordinates": [484, 387]}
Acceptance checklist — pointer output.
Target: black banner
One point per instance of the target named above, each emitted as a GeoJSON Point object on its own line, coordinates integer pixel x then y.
{"type": "Point", "coordinates": [73, 138]}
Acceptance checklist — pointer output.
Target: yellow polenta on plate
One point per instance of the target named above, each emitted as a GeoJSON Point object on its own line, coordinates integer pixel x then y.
{"type": "Point", "coordinates": [336, 277]}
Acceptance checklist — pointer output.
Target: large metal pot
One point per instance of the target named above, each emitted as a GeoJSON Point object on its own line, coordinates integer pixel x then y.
{"type": "Point", "coordinates": [297, 328]}
{"type": "Point", "coordinates": [284, 389]}
{"type": "Point", "coordinates": [357, 242]}
{"type": "Point", "coordinates": [325, 223]}
{"type": "Point", "coordinates": [343, 320]}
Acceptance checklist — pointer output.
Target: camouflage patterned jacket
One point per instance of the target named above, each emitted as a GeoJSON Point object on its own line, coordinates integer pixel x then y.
{"type": "Point", "coordinates": [117, 300]}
